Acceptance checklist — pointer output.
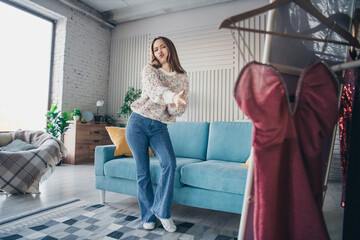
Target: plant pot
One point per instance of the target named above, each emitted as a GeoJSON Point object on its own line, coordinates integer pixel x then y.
{"type": "Point", "coordinates": [97, 118]}
{"type": "Point", "coordinates": [76, 118]}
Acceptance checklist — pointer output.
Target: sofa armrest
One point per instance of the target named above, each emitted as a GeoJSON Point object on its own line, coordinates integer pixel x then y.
{"type": "Point", "coordinates": [103, 154]}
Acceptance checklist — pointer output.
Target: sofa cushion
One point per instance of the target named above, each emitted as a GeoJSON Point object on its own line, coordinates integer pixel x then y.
{"type": "Point", "coordinates": [5, 138]}
{"type": "Point", "coordinates": [229, 141]}
{"type": "Point", "coordinates": [118, 137]}
{"type": "Point", "coordinates": [126, 168]}
{"type": "Point", "coordinates": [18, 145]}
{"type": "Point", "coordinates": [189, 139]}
{"type": "Point", "coordinates": [215, 175]}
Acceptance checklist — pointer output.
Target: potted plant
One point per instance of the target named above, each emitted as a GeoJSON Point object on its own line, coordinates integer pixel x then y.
{"type": "Point", "coordinates": [131, 95]}
{"type": "Point", "coordinates": [99, 104]}
{"type": "Point", "coordinates": [56, 123]}
{"type": "Point", "coordinates": [76, 114]}
{"type": "Point", "coordinates": [109, 120]}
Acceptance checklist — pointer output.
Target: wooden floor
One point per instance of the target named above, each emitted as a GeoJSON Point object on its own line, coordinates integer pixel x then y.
{"type": "Point", "coordinates": [77, 182]}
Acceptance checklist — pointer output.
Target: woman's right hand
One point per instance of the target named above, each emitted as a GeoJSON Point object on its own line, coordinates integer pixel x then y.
{"type": "Point", "coordinates": [178, 99]}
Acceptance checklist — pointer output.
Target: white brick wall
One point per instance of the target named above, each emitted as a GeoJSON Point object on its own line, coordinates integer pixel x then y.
{"type": "Point", "coordinates": [56, 84]}
{"type": "Point", "coordinates": [81, 60]}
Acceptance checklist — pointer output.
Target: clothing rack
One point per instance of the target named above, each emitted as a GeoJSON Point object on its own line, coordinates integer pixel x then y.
{"type": "Point", "coordinates": [350, 40]}
{"type": "Point", "coordinates": [304, 4]}
{"type": "Point", "coordinates": [297, 71]}
{"type": "Point", "coordinates": [344, 66]}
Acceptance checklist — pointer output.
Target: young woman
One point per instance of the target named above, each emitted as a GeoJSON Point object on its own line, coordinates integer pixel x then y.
{"type": "Point", "coordinates": [165, 89]}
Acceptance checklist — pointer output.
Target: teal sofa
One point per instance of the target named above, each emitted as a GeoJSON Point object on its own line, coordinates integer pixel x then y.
{"type": "Point", "coordinates": [209, 173]}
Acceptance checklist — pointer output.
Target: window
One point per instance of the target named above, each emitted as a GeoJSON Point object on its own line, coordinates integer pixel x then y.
{"type": "Point", "coordinates": [25, 62]}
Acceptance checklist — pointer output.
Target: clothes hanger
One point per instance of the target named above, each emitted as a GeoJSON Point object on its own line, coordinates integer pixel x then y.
{"type": "Point", "coordinates": [354, 32]}
{"type": "Point", "coordinates": [338, 67]}
{"type": "Point", "coordinates": [290, 70]}
{"type": "Point", "coordinates": [304, 4]}
{"type": "Point", "coordinates": [297, 71]}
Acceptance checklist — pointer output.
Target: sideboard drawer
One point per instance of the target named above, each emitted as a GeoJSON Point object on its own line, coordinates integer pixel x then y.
{"type": "Point", "coordinates": [96, 135]}
{"type": "Point", "coordinates": [81, 139]}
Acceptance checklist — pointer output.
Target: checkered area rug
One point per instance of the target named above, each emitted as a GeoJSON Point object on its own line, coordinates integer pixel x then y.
{"type": "Point", "coordinates": [82, 220]}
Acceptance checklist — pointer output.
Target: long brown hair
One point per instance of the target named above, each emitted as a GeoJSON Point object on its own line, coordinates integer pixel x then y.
{"type": "Point", "coordinates": [172, 57]}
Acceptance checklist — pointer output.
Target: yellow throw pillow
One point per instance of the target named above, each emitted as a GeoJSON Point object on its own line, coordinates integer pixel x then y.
{"type": "Point", "coordinates": [247, 163]}
{"type": "Point", "coordinates": [118, 137]}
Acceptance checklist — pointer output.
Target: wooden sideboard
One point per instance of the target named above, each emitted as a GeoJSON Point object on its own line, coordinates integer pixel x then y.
{"type": "Point", "coordinates": [81, 139]}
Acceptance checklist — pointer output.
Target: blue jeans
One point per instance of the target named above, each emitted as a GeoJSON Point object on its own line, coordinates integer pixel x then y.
{"type": "Point", "coordinates": [142, 132]}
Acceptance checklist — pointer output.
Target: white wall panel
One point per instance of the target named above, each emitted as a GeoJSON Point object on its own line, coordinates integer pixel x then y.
{"type": "Point", "coordinates": [129, 56]}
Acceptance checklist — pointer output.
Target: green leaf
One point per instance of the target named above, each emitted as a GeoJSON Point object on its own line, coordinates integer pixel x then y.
{"type": "Point", "coordinates": [131, 95]}
{"type": "Point", "coordinates": [66, 116]}
{"type": "Point", "coordinates": [53, 108]}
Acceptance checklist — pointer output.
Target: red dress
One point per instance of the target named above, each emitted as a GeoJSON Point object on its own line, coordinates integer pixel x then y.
{"type": "Point", "coordinates": [288, 147]}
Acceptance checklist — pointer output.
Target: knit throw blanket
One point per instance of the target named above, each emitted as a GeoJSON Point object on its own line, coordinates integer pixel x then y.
{"type": "Point", "coordinates": [23, 171]}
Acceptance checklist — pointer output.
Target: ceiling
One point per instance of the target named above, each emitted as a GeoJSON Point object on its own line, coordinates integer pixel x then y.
{"type": "Point", "coordinates": [119, 11]}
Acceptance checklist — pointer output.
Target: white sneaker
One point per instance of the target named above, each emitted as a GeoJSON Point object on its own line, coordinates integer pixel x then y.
{"type": "Point", "coordinates": [149, 225]}
{"type": "Point", "coordinates": [168, 224]}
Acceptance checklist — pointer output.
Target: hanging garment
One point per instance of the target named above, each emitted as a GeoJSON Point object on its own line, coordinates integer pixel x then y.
{"type": "Point", "coordinates": [345, 121]}
{"type": "Point", "coordinates": [288, 142]}
{"type": "Point", "coordinates": [351, 226]}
